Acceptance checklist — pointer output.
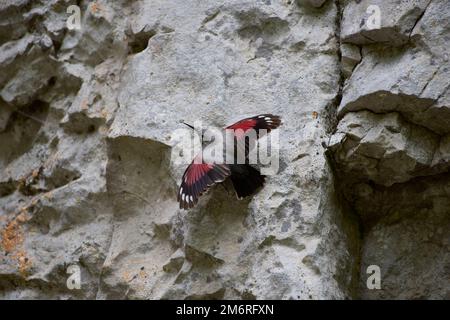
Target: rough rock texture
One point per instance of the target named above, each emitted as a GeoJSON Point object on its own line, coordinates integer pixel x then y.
{"type": "Point", "coordinates": [391, 146]}
{"type": "Point", "coordinates": [90, 146]}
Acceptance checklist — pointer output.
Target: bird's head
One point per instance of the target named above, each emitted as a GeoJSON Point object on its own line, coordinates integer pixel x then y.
{"type": "Point", "coordinates": [197, 130]}
{"type": "Point", "coordinates": [205, 135]}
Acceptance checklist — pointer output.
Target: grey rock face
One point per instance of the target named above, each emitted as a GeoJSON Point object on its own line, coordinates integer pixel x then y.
{"type": "Point", "coordinates": [350, 58]}
{"type": "Point", "coordinates": [90, 137]}
{"type": "Point", "coordinates": [390, 146]}
{"type": "Point", "coordinates": [386, 149]}
{"type": "Point", "coordinates": [313, 3]}
{"type": "Point", "coordinates": [367, 21]}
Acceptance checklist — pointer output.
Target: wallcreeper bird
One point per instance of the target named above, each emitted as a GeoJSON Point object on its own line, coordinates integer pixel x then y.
{"type": "Point", "coordinates": [201, 174]}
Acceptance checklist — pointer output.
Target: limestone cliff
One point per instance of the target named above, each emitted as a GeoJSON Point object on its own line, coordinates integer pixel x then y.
{"type": "Point", "coordinates": [88, 175]}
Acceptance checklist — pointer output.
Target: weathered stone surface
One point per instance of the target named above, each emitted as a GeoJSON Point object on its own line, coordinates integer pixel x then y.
{"type": "Point", "coordinates": [91, 143]}
{"type": "Point", "coordinates": [418, 87]}
{"type": "Point", "coordinates": [314, 3]}
{"type": "Point", "coordinates": [5, 113]}
{"type": "Point", "coordinates": [410, 240]}
{"type": "Point", "coordinates": [418, 83]}
{"type": "Point", "coordinates": [397, 20]}
{"type": "Point", "coordinates": [12, 25]}
{"type": "Point", "coordinates": [350, 57]}
{"type": "Point", "coordinates": [386, 149]}
{"type": "Point", "coordinates": [237, 250]}
{"type": "Point", "coordinates": [391, 146]}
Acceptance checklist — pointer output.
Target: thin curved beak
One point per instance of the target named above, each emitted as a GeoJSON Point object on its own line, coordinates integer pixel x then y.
{"type": "Point", "coordinates": [188, 125]}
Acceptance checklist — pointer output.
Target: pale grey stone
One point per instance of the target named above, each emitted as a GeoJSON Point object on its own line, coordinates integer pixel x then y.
{"type": "Point", "coordinates": [350, 57]}
{"type": "Point", "coordinates": [90, 126]}
{"type": "Point", "coordinates": [396, 20]}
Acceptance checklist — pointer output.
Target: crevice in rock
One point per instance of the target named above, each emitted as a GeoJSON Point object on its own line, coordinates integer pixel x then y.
{"type": "Point", "coordinates": [80, 123]}
{"type": "Point", "coordinates": [332, 107]}
{"type": "Point", "coordinates": [405, 117]}
{"type": "Point", "coordinates": [28, 185]}
{"type": "Point", "coordinates": [361, 60]}
{"type": "Point", "coordinates": [138, 42]}
{"type": "Point", "coordinates": [428, 82]}
{"type": "Point", "coordinates": [57, 43]}
{"type": "Point", "coordinates": [12, 282]}
{"type": "Point", "coordinates": [442, 93]}
{"type": "Point", "coordinates": [103, 270]}
{"type": "Point", "coordinates": [269, 27]}
{"type": "Point", "coordinates": [8, 187]}
{"type": "Point", "coordinates": [415, 136]}
{"type": "Point", "coordinates": [42, 219]}
{"type": "Point", "coordinates": [385, 201]}
{"type": "Point", "coordinates": [22, 130]}
{"type": "Point", "coordinates": [60, 177]}
{"type": "Point", "coordinates": [217, 295]}
{"type": "Point", "coordinates": [418, 19]}
{"type": "Point", "coordinates": [402, 103]}
{"type": "Point", "coordinates": [350, 216]}
{"type": "Point", "coordinates": [210, 16]}
{"type": "Point", "coordinates": [13, 13]}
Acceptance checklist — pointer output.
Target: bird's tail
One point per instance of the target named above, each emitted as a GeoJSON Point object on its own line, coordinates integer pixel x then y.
{"type": "Point", "coordinates": [246, 179]}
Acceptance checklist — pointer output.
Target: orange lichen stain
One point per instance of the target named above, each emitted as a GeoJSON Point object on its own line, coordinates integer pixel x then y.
{"type": "Point", "coordinates": [23, 263]}
{"type": "Point", "coordinates": [84, 104]}
{"type": "Point", "coordinates": [104, 113]}
{"type": "Point", "coordinates": [35, 173]}
{"type": "Point", "coordinates": [315, 115]}
{"type": "Point", "coordinates": [23, 216]}
{"type": "Point", "coordinates": [12, 238]}
{"type": "Point", "coordinates": [143, 274]}
{"type": "Point", "coordinates": [28, 179]}
{"type": "Point", "coordinates": [22, 182]}
{"type": "Point", "coordinates": [95, 7]}
{"type": "Point", "coordinates": [48, 195]}
{"type": "Point", "coordinates": [51, 159]}
{"type": "Point", "coordinates": [103, 130]}
{"type": "Point", "coordinates": [35, 201]}
{"type": "Point", "coordinates": [126, 276]}
{"type": "Point", "coordinates": [24, 210]}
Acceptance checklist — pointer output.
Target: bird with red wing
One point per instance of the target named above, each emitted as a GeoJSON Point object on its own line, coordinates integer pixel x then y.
{"type": "Point", "coordinates": [200, 176]}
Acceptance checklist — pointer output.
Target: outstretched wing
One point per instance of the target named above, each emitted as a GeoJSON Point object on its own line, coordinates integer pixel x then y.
{"type": "Point", "coordinates": [197, 179]}
{"type": "Point", "coordinates": [262, 124]}
{"type": "Point", "coordinates": [263, 121]}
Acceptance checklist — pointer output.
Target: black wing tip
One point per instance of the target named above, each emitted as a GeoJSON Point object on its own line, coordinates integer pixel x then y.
{"type": "Point", "coordinates": [185, 197]}
{"type": "Point", "coordinates": [268, 121]}
{"type": "Point", "coordinates": [188, 195]}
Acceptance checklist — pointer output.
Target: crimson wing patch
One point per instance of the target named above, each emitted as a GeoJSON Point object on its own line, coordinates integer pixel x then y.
{"type": "Point", "coordinates": [245, 144]}
{"type": "Point", "coordinates": [197, 179]}
{"type": "Point", "coordinates": [263, 121]}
